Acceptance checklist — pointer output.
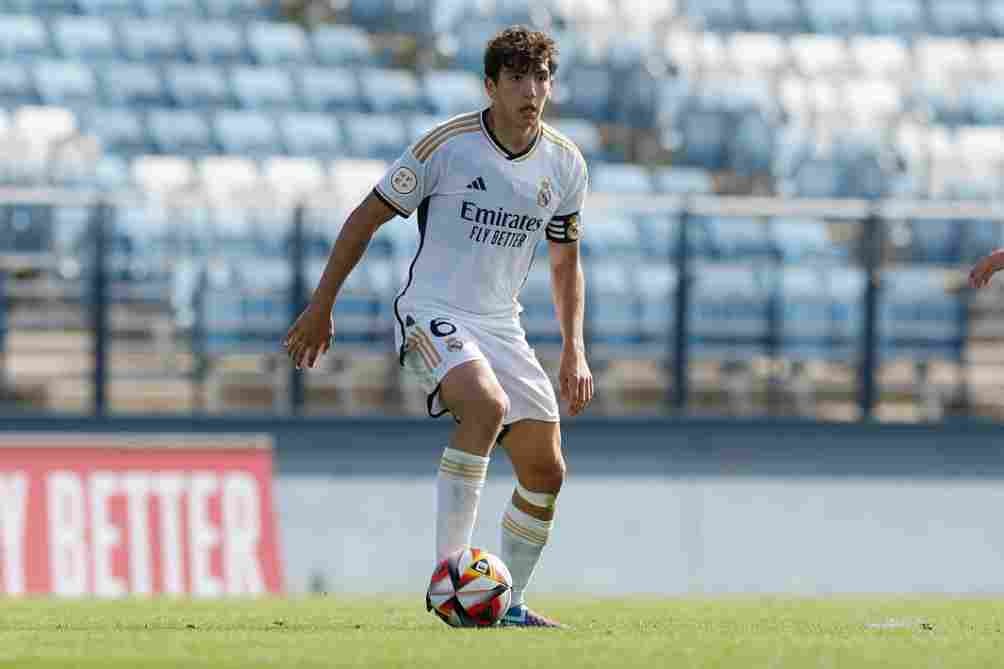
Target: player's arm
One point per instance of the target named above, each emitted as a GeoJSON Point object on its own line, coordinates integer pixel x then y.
{"type": "Point", "coordinates": [311, 334]}
{"type": "Point", "coordinates": [989, 265]}
{"type": "Point", "coordinates": [568, 286]}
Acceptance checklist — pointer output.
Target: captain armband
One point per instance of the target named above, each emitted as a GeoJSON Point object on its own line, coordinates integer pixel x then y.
{"type": "Point", "coordinates": [564, 229]}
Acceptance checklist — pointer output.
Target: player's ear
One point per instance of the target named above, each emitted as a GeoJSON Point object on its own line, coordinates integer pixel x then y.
{"type": "Point", "coordinates": [490, 87]}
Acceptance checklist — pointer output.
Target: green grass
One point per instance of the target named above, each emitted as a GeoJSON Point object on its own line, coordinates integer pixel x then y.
{"type": "Point", "coordinates": [737, 633]}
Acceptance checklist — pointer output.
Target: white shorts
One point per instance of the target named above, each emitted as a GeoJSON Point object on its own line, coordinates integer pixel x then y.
{"type": "Point", "coordinates": [436, 341]}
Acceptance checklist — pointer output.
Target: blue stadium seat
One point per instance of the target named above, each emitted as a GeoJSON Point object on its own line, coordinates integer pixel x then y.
{"type": "Point", "coordinates": [806, 324]}
{"type": "Point", "coordinates": [132, 84]}
{"type": "Point", "coordinates": [835, 17]}
{"type": "Point", "coordinates": [121, 130]}
{"type": "Point", "coordinates": [389, 90]}
{"type": "Point", "coordinates": [65, 83]}
{"type": "Point", "coordinates": [246, 133]}
{"type": "Point", "coordinates": [613, 237]}
{"type": "Point", "coordinates": [16, 86]}
{"type": "Point", "coordinates": [682, 181]}
{"type": "Point", "coordinates": [336, 45]}
{"type": "Point", "coordinates": [737, 238]}
{"type": "Point", "coordinates": [150, 40]}
{"type": "Point", "coordinates": [450, 92]}
{"type": "Point", "coordinates": [105, 8]}
{"type": "Point", "coordinates": [897, 17]}
{"type": "Point", "coordinates": [538, 316]}
{"type": "Point", "coordinates": [613, 305]}
{"type": "Point", "coordinates": [846, 287]}
{"type": "Point", "coordinates": [704, 138]}
{"type": "Point", "coordinates": [936, 241]}
{"type": "Point", "coordinates": [419, 124]}
{"type": "Point", "coordinates": [918, 319]}
{"type": "Point", "coordinates": [470, 45]}
{"type": "Point", "coordinates": [994, 16]}
{"type": "Point", "coordinates": [262, 87]}
{"type": "Point", "coordinates": [390, 15]}
{"type": "Point", "coordinates": [585, 135]}
{"type": "Point", "coordinates": [23, 38]}
{"type": "Point", "coordinates": [237, 9]}
{"type": "Point", "coordinates": [723, 15]}
{"type": "Point", "coordinates": [277, 43]}
{"type": "Point", "coordinates": [180, 131]}
{"type": "Point", "coordinates": [752, 148]}
{"type": "Point", "coordinates": [329, 90]}
{"type": "Point", "coordinates": [728, 312]}
{"type": "Point", "coordinates": [86, 38]}
{"type": "Point", "coordinates": [624, 178]}
{"type": "Point", "coordinates": [198, 86]}
{"type": "Point", "coordinates": [589, 93]}
{"type": "Point", "coordinates": [774, 16]}
{"type": "Point", "coordinates": [797, 240]}
{"type": "Point", "coordinates": [216, 42]}
{"type": "Point", "coordinates": [983, 101]}
{"type": "Point", "coordinates": [374, 135]}
{"type": "Point", "coordinates": [657, 285]}
{"type": "Point", "coordinates": [958, 18]}
{"type": "Point", "coordinates": [182, 9]}
{"type": "Point", "coordinates": [310, 134]}
{"type": "Point", "coordinates": [820, 178]}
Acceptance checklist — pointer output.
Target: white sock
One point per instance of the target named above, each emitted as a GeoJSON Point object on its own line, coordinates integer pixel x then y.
{"type": "Point", "coordinates": [458, 490]}
{"type": "Point", "coordinates": [524, 538]}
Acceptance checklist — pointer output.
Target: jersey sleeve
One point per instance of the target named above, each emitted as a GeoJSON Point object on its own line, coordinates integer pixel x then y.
{"type": "Point", "coordinates": [406, 183]}
{"type": "Point", "coordinates": [565, 226]}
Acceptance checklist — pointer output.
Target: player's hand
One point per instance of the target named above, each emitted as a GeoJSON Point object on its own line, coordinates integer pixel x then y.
{"type": "Point", "coordinates": [576, 380]}
{"type": "Point", "coordinates": [980, 275]}
{"type": "Point", "coordinates": [310, 337]}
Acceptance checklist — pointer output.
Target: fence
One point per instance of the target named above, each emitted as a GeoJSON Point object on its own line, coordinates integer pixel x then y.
{"type": "Point", "coordinates": [695, 305]}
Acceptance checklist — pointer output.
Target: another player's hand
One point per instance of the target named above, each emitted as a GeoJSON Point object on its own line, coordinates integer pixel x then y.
{"type": "Point", "coordinates": [310, 337]}
{"type": "Point", "coordinates": [980, 275]}
{"type": "Point", "coordinates": [576, 379]}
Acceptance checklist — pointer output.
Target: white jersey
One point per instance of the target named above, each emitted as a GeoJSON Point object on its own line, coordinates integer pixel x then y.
{"type": "Point", "coordinates": [481, 213]}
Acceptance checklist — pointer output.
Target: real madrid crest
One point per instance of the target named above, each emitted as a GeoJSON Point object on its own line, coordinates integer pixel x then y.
{"type": "Point", "coordinates": [573, 231]}
{"type": "Point", "coordinates": [544, 192]}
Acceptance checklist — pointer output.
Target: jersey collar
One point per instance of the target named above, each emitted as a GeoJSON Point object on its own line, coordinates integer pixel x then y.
{"type": "Point", "coordinates": [509, 155]}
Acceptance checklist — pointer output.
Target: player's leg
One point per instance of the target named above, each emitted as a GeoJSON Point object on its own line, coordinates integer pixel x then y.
{"type": "Point", "coordinates": [534, 448]}
{"type": "Point", "coordinates": [472, 394]}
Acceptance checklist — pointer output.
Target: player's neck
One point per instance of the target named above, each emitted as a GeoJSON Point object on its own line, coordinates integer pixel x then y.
{"type": "Point", "coordinates": [514, 138]}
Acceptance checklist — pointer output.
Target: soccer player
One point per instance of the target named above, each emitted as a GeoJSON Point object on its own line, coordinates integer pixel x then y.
{"type": "Point", "coordinates": [488, 186]}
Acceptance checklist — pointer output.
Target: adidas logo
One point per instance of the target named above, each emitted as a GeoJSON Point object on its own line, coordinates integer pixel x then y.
{"type": "Point", "coordinates": [477, 184]}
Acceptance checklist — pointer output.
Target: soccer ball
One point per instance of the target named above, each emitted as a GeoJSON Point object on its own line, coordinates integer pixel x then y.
{"type": "Point", "coordinates": [470, 588]}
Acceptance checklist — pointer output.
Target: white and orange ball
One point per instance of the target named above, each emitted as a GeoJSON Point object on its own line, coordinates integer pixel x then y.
{"type": "Point", "coordinates": [470, 588]}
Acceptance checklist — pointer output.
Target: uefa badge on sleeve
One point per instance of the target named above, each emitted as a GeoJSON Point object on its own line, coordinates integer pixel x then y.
{"type": "Point", "coordinates": [403, 181]}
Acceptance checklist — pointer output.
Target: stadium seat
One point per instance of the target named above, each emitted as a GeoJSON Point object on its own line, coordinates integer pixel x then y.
{"type": "Point", "coordinates": [737, 238]}
{"type": "Point", "coordinates": [111, 173]}
{"type": "Point", "coordinates": [918, 318]}
{"type": "Point", "coordinates": [236, 9]}
{"type": "Point", "coordinates": [873, 102]}
{"type": "Point", "coordinates": [990, 53]}
{"type": "Point", "coordinates": [758, 54]}
{"type": "Point", "coordinates": [885, 56]}
{"type": "Point", "coordinates": [180, 131]}
{"type": "Point", "coordinates": [329, 90]}
{"type": "Point", "coordinates": [958, 18]}
{"type": "Point", "coordinates": [351, 181]}
{"type": "Point", "coordinates": [216, 42]}
{"type": "Point", "coordinates": [121, 130]}
{"type": "Point", "coordinates": [820, 178]}
{"type": "Point", "coordinates": [835, 17]}
{"type": "Point", "coordinates": [896, 17]}
{"type": "Point", "coordinates": [723, 15]}
{"type": "Point", "coordinates": [704, 138]}
{"type": "Point", "coordinates": [419, 124]}
{"type": "Point", "coordinates": [337, 45]}
{"type": "Point", "coordinates": [801, 240]}
{"type": "Point", "coordinates": [752, 145]}
{"type": "Point", "coordinates": [246, 133]}
{"type": "Point", "coordinates": [262, 87]}
{"type": "Point", "coordinates": [613, 306]}
{"type": "Point", "coordinates": [728, 311]}
{"type": "Point", "coordinates": [150, 40]}
{"type": "Point", "coordinates": [277, 43]}
{"type": "Point", "coordinates": [469, 45]}
{"type": "Point", "coordinates": [163, 174]}
{"type": "Point", "coordinates": [994, 17]}
{"type": "Point", "coordinates": [65, 83]}
{"type": "Point", "coordinates": [182, 9]}
{"type": "Point", "coordinates": [682, 180]}
{"type": "Point", "coordinates": [86, 38]}
{"type": "Point", "coordinates": [451, 92]}
{"type": "Point", "coordinates": [16, 86]}
{"type": "Point", "coordinates": [23, 38]}
{"type": "Point", "coordinates": [935, 241]}
{"type": "Point", "coordinates": [584, 134]}
{"type": "Point", "coordinates": [657, 285]}
{"type": "Point", "coordinates": [379, 136]}
{"type": "Point", "coordinates": [132, 84]}
{"type": "Point", "coordinates": [196, 86]}
{"type": "Point", "coordinates": [619, 178]}
{"type": "Point", "coordinates": [613, 238]}
{"type": "Point", "coordinates": [805, 327]}
{"type": "Point", "coordinates": [943, 57]}
{"type": "Point", "coordinates": [310, 134]}
{"type": "Point", "coordinates": [389, 90]}
{"type": "Point", "coordinates": [589, 93]}
{"type": "Point", "coordinates": [227, 178]}
{"type": "Point", "coordinates": [293, 178]}
{"type": "Point", "coordinates": [775, 16]}
{"type": "Point", "coordinates": [106, 8]}
{"type": "Point", "coordinates": [818, 55]}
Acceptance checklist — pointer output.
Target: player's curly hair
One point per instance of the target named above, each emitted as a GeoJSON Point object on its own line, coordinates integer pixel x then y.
{"type": "Point", "coordinates": [518, 48]}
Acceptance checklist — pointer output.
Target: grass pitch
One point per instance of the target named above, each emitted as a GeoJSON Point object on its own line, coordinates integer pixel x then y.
{"type": "Point", "coordinates": [349, 632]}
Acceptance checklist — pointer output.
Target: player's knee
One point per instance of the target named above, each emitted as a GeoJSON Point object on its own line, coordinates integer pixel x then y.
{"type": "Point", "coordinates": [491, 408]}
{"type": "Point", "coordinates": [546, 476]}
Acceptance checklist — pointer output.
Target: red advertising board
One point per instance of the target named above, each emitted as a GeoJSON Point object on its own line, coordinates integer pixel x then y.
{"type": "Point", "coordinates": [112, 516]}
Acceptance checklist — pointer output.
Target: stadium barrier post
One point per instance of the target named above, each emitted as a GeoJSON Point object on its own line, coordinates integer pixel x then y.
{"type": "Point", "coordinates": [3, 329]}
{"type": "Point", "coordinates": [680, 344]}
{"type": "Point", "coordinates": [199, 341]}
{"type": "Point", "coordinates": [99, 307]}
{"type": "Point", "coordinates": [872, 258]}
{"type": "Point", "coordinates": [297, 302]}
{"type": "Point", "coordinates": [775, 302]}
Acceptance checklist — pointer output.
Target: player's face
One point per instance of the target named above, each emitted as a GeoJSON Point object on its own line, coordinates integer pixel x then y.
{"type": "Point", "coordinates": [520, 96]}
